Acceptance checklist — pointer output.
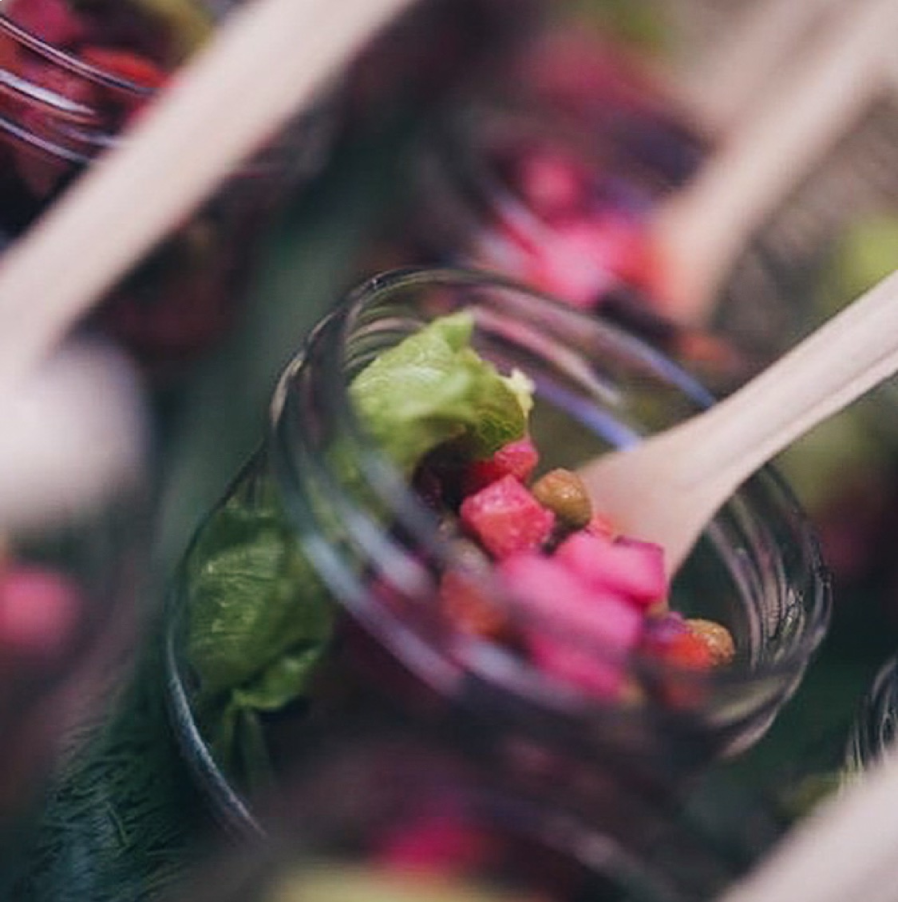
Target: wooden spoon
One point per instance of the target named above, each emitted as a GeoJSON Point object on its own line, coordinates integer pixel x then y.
{"type": "Point", "coordinates": [270, 59]}
{"type": "Point", "coordinates": [668, 487]}
{"type": "Point", "coordinates": [700, 232]}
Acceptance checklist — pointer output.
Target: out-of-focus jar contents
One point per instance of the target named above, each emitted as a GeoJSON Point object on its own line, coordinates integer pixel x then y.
{"type": "Point", "coordinates": [75, 73]}
{"type": "Point", "coordinates": [549, 170]}
{"type": "Point", "coordinates": [377, 813]}
{"type": "Point", "coordinates": [426, 53]}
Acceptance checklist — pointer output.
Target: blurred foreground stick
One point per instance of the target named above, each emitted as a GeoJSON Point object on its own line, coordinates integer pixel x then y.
{"type": "Point", "coordinates": [846, 850]}
{"type": "Point", "coordinates": [171, 160]}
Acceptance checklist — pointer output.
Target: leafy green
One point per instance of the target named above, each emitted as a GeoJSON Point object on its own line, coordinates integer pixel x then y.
{"type": "Point", "coordinates": [259, 619]}
{"type": "Point", "coordinates": [433, 388]}
{"type": "Point", "coordinates": [254, 604]}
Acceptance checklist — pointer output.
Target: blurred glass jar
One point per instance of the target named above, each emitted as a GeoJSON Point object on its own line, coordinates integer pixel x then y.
{"type": "Point", "coordinates": [832, 238]}
{"type": "Point", "coordinates": [308, 591]}
{"type": "Point", "coordinates": [72, 76]}
{"type": "Point", "coordinates": [549, 171]}
{"type": "Point", "coordinates": [873, 732]}
{"type": "Point", "coordinates": [73, 527]}
{"type": "Point", "coordinates": [395, 814]}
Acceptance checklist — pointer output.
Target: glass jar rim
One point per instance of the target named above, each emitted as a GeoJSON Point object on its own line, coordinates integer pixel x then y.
{"type": "Point", "coordinates": [71, 61]}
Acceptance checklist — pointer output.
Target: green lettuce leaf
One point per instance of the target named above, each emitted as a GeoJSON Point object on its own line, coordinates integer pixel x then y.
{"type": "Point", "coordinates": [259, 619]}
{"type": "Point", "coordinates": [433, 388]}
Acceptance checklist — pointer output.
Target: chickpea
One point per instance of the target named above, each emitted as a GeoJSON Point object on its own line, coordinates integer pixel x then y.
{"type": "Point", "coordinates": [716, 636]}
{"type": "Point", "coordinates": [563, 492]}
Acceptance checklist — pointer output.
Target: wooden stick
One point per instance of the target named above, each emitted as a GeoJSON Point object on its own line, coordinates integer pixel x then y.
{"type": "Point", "coordinates": [846, 849]}
{"type": "Point", "coordinates": [667, 487]}
{"type": "Point", "coordinates": [268, 60]}
{"type": "Point", "coordinates": [701, 231]}
{"type": "Point", "coordinates": [729, 79]}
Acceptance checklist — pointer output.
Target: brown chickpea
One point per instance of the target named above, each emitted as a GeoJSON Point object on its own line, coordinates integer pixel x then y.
{"type": "Point", "coordinates": [716, 636]}
{"type": "Point", "coordinates": [563, 492]}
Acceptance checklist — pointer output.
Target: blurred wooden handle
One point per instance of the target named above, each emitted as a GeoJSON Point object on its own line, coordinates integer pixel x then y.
{"type": "Point", "coordinates": [846, 849]}
{"type": "Point", "coordinates": [761, 39]}
{"type": "Point", "coordinates": [701, 231]}
{"type": "Point", "coordinates": [269, 59]}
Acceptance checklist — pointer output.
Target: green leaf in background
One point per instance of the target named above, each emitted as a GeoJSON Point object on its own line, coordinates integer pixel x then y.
{"type": "Point", "coordinates": [865, 252]}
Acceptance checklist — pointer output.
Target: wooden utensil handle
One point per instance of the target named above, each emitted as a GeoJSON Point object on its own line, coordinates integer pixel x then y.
{"type": "Point", "coordinates": [846, 357]}
{"type": "Point", "coordinates": [702, 230]}
{"type": "Point", "coordinates": [268, 60]}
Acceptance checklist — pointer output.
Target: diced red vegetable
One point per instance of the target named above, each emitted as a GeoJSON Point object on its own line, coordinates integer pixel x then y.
{"type": "Point", "coordinates": [54, 21]}
{"type": "Point", "coordinates": [39, 611]}
{"type": "Point", "coordinates": [577, 667]}
{"type": "Point", "coordinates": [465, 604]}
{"type": "Point", "coordinates": [506, 518]}
{"type": "Point", "coordinates": [669, 639]}
{"type": "Point", "coordinates": [518, 459]}
{"type": "Point", "coordinates": [629, 568]}
{"type": "Point", "coordinates": [550, 589]}
{"type": "Point", "coordinates": [551, 182]}
{"type": "Point", "coordinates": [438, 843]}
{"type": "Point", "coordinates": [584, 635]}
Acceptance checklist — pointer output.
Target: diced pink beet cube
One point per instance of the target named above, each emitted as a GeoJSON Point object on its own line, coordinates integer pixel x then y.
{"type": "Point", "coordinates": [629, 568]}
{"type": "Point", "coordinates": [551, 181]}
{"type": "Point", "coordinates": [551, 590]}
{"type": "Point", "coordinates": [39, 611]}
{"type": "Point", "coordinates": [589, 632]}
{"type": "Point", "coordinates": [506, 518]}
{"type": "Point", "coordinates": [571, 263]}
{"type": "Point", "coordinates": [583, 257]}
{"type": "Point", "coordinates": [435, 843]}
{"type": "Point", "coordinates": [576, 666]}
{"type": "Point", "coordinates": [518, 459]}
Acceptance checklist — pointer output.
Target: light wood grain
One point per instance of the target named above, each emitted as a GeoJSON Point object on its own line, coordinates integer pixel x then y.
{"type": "Point", "coordinates": [270, 59]}
{"type": "Point", "coordinates": [668, 487]}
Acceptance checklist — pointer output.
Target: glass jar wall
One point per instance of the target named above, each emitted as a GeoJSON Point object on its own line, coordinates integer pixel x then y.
{"type": "Point", "coordinates": [312, 587]}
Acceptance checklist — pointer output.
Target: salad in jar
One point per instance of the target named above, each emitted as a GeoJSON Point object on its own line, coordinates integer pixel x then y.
{"type": "Point", "coordinates": [414, 529]}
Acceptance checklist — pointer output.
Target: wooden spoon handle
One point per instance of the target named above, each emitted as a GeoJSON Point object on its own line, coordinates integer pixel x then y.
{"type": "Point", "coordinates": [729, 79]}
{"type": "Point", "coordinates": [700, 233]}
{"type": "Point", "coordinates": [268, 60]}
{"type": "Point", "coordinates": [850, 354]}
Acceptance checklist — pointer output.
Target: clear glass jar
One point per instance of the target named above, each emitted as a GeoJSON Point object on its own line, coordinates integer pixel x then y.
{"type": "Point", "coordinates": [71, 78]}
{"type": "Point", "coordinates": [312, 592]}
